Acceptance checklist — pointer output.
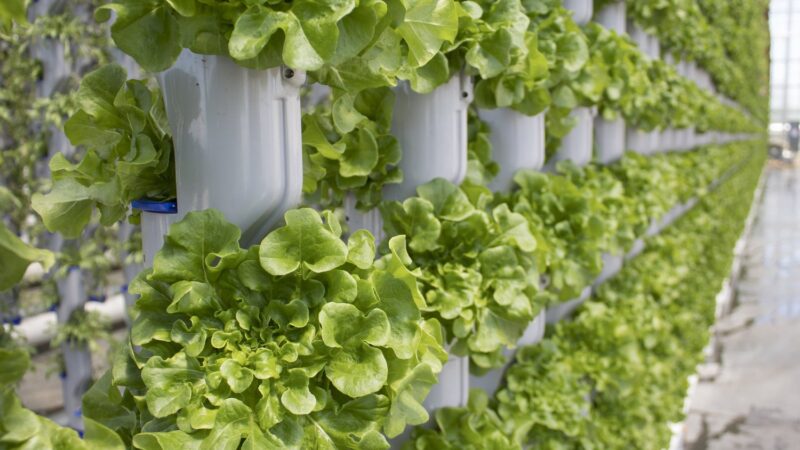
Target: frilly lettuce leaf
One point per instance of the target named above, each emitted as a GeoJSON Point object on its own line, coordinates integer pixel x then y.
{"type": "Point", "coordinates": [301, 339]}
{"type": "Point", "coordinates": [128, 154]}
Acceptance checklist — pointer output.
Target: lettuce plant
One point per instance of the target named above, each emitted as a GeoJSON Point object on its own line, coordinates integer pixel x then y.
{"type": "Point", "coordinates": [630, 92]}
{"type": "Point", "coordinates": [496, 44]}
{"type": "Point", "coordinates": [583, 385]}
{"type": "Point", "coordinates": [478, 274]}
{"type": "Point", "coordinates": [303, 34]}
{"type": "Point", "coordinates": [16, 256]}
{"type": "Point", "coordinates": [361, 161]}
{"type": "Point", "coordinates": [348, 142]}
{"type": "Point", "coordinates": [616, 376]}
{"type": "Point", "coordinates": [566, 49]}
{"type": "Point", "coordinates": [615, 208]}
{"type": "Point", "coordinates": [481, 169]}
{"type": "Point", "coordinates": [544, 397]}
{"type": "Point", "coordinates": [567, 222]}
{"type": "Point", "coordinates": [127, 154]}
{"type": "Point", "coordinates": [524, 55]}
{"type": "Point", "coordinates": [475, 427]}
{"type": "Point", "coordinates": [303, 341]}
{"type": "Point", "coordinates": [12, 12]}
{"type": "Point", "coordinates": [21, 428]}
{"type": "Point", "coordinates": [712, 34]}
{"type": "Point", "coordinates": [742, 28]}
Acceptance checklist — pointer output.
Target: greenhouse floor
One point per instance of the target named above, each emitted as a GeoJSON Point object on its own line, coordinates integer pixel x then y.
{"type": "Point", "coordinates": [748, 394]}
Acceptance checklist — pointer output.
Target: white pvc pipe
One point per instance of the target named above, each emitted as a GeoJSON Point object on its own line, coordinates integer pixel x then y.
{"type": "Point", "coordinates": [653, 47]}
{"type": "Point", "coordinates": [582, 10]}
{"type": "Point", "coordinates": [557, 313]}
{"type": "Point", "coordinates": [535, 331]}
{"type": "Point", "coordinates": [453, 387]}
{"type": "Point", "coordinates": [238, 144]}
{"type": "Point", "coordinates": [154, 227]}
{"type": "Point", "coordinates": [609, 139]}
{"type": "Point", "coordinates": [356, 219]}
{"type": "Point", "coordinates": [612, 264]}
{"type": "Point", "coordinates": [613, 17]}
{"type": "Point", "coordinates": [432, 131]}
{"type": "Point", "coordinates": [665, 140]}
{"type": "Point", "coordinates": [51, 53]}
{"type": "Point", "coordinates": [577, 144]}
{"type": "Point", "coordinates": [40, 329]}
{"type": "Point", "coordinates": [654, 141]}
{"type": "Point", "coordinates": [518, 142]}
{"type": "Point", "coordinates": [638, 141]}
{"type": "Point", "coordinates": [639, 37]}
{"type": "Point", "coordinates": [75, 355]}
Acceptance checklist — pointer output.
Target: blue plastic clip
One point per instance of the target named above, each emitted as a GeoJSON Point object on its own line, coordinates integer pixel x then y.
{"type": "Point", "coordinates": [153, 206]}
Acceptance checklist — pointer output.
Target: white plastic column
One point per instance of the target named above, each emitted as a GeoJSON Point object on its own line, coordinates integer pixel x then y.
{"type": "Point", "coordinates": [54, 71]}
{"type": "Point", "coordinates": [703, 139]}
{"type": "Point", "coordinates": [609, 139]}
{"type": "Point", "coordinates": [686, 139]}
{"type": "Point", "coordinates": [556, 313]}
{"type": "Point", "coordinates": [653, 138]}
{"type": "Point", "coordinates": [318, 93]}
{"type": "Point", "coordinates": [518, 142]}
{"type": "Point", "coordinates": [674, 142]}
{"type": "Point", "coordinates": [154, 227]}
{"type": "Point", "coordinates": [582, 10]}
{"type": "Point", "coordinates": [612, 264]}
{"type": "Point", "coordinates": [77, 358]}
{"type": "Point", "coordinates": [638, 141]}
{"type": "Point", "coordinates": [129, 270]}
{"type": "Point", "coordinates": [432, 131]}
{"type": "Point", "coordinates": [691, 138]}
{"type": "Point", "coordinates": [453, 387]}
{"type": "Point", "coordinates": [577, 144]}
{"type": "Point", "coordinates": [647, 43]}
{"type": "Point", "coordinates": [706, 82]}
{"type": "Point", "coordinates": [535, 331]}
{"type": "Point", "coordinates": [612, 16]}
{"type": "Point", "coordinates": [665, 140]}
{"type": "Point", "coordinates": [654, 52]}
{"type": "Point", "coordinates": [682, 67]}
{"type": "Point", "coordinates": [54, 68]}
{"type": "Point", "coordinates": [680, 139]}
{"type": "Point", "coordinates": [691, 71]}
{"type": "Point", "coordinates": [363, 220]}
{"type": "Point", "coordinates": [639, 37]}
{"type": "Point", "coordinates": [238, 145]}
{"type": "Point", "coordinates": [653, 47]}
{"type": "Point", "coordinates": [636, 249]}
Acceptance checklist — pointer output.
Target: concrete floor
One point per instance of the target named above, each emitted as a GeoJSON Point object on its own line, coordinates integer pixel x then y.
{"type": "Point", "coordinates": [749, 391]}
